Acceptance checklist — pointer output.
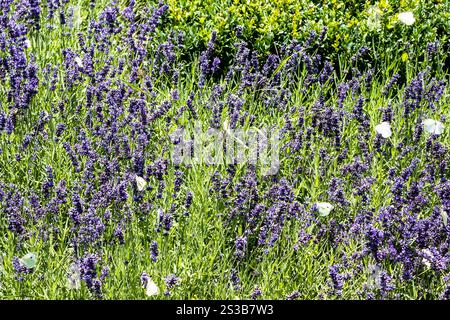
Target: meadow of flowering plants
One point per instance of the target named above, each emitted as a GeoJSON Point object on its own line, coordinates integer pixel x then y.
{"type": "Point", "coordinates": [94, 204]}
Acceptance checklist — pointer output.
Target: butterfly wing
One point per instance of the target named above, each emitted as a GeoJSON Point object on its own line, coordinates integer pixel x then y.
{"type": "Point", "coordinates": [324, 208]}
{"type": "Point", "coordinates": [429, 125]}
{"type": "Point", "coordinates": [444, 216]}
{"type": "Point", "coordinates": [384, 129]}
{"type": "Point", "coordinates": [141, 183]}
{"type": "Point", "coordinates": [439, 128]}
{"type": "Point", "coordinates": [152, 288]}
{"type": "Point", "coordinates": [29, 260]}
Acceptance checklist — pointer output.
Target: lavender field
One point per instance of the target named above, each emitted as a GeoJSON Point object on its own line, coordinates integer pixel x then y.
{"type": "Point", "coordinates": [224, 150]}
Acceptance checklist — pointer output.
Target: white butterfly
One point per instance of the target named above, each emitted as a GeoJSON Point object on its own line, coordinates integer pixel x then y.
{"type": "Point", "coordinates": [373, 280]}
{"type": "Point", "coordinates": [384, 129]}
{"type": "Point", "coordinates": [73, 277]}
{"type": "Point", "coordinates": [324, 208]}
{"type": "Point", "coordinates": [428, 255]}
{"type": "Point", "coordinates": [29, 260]}
{"type": "Point", "coordinates": [373, 21]}
{"type": "Point", "coordinates": [406, 18]}
{"type": "Point", "coordinates": [79, 62]}
{"type": "Point", "coordinates": [141, 183]}
{"type": "Point", "coordinates": [444, 216]}
{"type": "Point", "coordinates": [77, 19]}
{"type": "Point", "coordinates": [152, 289]}
{"type": "Point", "coordinates": [433, 126]}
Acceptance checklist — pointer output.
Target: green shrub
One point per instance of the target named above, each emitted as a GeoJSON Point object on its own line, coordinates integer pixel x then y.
{"type": "Point", "coordinates": [267, 25]}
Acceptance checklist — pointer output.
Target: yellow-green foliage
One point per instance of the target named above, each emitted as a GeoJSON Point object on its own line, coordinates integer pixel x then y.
{"type": "Point", "coordinates": [351, 23]}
